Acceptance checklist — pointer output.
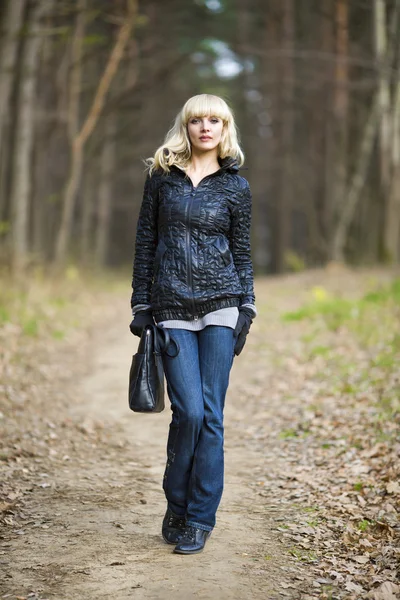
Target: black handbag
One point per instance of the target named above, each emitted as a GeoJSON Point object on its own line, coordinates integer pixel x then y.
{"type": "Point", "coordinates": [146, 376]}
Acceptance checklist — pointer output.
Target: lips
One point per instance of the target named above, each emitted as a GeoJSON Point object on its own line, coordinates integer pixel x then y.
{"type": "Point", "coordinates": [205, 138]}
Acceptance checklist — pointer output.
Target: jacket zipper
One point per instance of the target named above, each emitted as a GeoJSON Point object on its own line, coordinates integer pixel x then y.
{"type": "Point", "coordinates": [189, 254]}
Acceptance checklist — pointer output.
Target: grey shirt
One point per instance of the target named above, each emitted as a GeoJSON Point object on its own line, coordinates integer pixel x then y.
{"type": "Point", "coordinates": [225, 317]}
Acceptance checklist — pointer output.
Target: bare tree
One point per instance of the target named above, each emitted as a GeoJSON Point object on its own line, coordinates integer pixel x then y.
{"type": "Point", "coordinates": [340, 109]}
{"type": "Point", "coordinates": [381, 42]}
{"type": "Point", "coordinates": [11, 28]}
{"type": "Point", "coordinates": [87, 129]}
{"type": "Point", "coordinates": [328, 133]}
{"type": "Point", "coordinates": [356, 184]}
{"type": "Point", "coordinates": [287, 133]}
{"type": "Point", "coordinates": [392, 214]}
{"type": "Point", "coordinates": [388, 132]}
{"type": "Point", "coordinates": [21, 182]}
{"type": "Point", "coordinates": [107, 169]}
{"type": "Point", "coordinates": [366, 147]}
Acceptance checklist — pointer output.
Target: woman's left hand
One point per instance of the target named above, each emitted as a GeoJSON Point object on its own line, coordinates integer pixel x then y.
{"type": "Point", "coordinates": [242, 328]}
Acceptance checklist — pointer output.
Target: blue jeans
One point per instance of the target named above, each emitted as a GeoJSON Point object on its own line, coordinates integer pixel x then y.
{"type": "Point", "coordinates": [197, 380]}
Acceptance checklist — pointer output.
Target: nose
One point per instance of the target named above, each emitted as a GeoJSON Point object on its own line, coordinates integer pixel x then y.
{"type": "Point", "coordinates": [205, 125]}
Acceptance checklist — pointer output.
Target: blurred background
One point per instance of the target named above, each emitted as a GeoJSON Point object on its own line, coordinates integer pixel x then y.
{"type": "Point", "coordinates": [88, 89]}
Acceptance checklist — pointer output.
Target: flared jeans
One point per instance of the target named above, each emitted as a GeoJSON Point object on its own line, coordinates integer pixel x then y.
{"type": "Point", "coordinates": [197, 381]}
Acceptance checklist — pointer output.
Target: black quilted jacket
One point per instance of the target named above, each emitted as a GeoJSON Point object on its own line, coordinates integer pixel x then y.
{"type": "Point", "coordinates": [192, 252]}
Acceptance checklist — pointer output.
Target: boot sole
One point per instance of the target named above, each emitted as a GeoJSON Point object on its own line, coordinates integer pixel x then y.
{"type": "Point", "coordinates": [168, 542]}
{"type": "Point", "coordinates": [186, 552]}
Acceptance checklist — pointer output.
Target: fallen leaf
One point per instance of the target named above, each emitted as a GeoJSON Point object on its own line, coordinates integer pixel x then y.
{"type": "Point", "coordinates": [387, 591]}
{"type": "Point", "coordinates": [5, 506]}
{"type": "Point", "coordinates": [354, 587]}
{"type": "Point", "coordinates": [393, 487]}
{"type": "Point", "coordinates": [362, 560]}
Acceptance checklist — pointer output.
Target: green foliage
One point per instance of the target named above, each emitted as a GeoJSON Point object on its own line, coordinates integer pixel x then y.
{"type": "Point", "coordinates": [294, 262]}
{"type": "Point", "coordinates": [336, 312]}
{"type": "Point", "coordinates": [4, 315]}
{"type": "Point", "coordinates": [57, 334]}
{"type": "Point", "coordinates": [306, 556]}
{"type": "Point", "coordinates": [4, 227]}
{"type": "Point", "coordinates": [385, 294]}
{"type": "Point", "coordinates": [319, 351]}
{"type": "Point", "coordinates": [293, 433]}
{"type": "Point", "coordinates": [41, 306]}
{"type": "Point", "coordinates": [373, 322]}
{"type": "Point", "coordinates": [95, 39]}
{"type": "Point", "coordinates": [333, 311]}
{"type": "Point", "coordinates": [310, 509]}
{"type": "Point", "coordinates": [30, 327]}
{"type": "Point", "coordinates": [313, 522]}
{"type": "Point", "coordinates": [288, 433]}
{"type": "Point", "coordinates": [364, 525]}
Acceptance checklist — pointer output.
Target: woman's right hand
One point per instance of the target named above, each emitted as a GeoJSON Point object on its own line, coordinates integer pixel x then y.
{"type": "Point", "coordinates": [141, 319]}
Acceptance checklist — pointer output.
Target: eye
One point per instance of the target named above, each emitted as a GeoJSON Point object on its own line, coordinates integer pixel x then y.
{"type": "Point", "coordinates": [214, 120]}
{"type": "Point", "coordinates": [194, 120]}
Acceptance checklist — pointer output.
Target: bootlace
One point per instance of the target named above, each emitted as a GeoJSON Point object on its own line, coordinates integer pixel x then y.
{"type": "Point", "coordinates": [177, 522]}
{"type": "Point", "coordinates": [190, 533]}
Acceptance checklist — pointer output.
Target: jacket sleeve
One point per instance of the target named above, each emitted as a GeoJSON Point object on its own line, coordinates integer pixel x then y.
{"type": "Point", "coordinates": [145, 244]}
{"type": "Point", "coordinates": [240, 245]}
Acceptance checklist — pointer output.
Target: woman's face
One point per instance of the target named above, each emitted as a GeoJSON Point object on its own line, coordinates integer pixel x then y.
{"type": "Point", "coordinates": [205, 132]}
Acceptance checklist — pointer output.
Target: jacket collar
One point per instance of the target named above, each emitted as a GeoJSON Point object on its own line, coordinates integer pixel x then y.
{"type": "Point", "coordinates": [227, 164]}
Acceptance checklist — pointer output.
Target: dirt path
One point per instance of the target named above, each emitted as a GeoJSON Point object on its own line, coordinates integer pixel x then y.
{"type": "Point", "coordinates": [94, 532]}
{"type": "Point", "coordinates": [82, 503]}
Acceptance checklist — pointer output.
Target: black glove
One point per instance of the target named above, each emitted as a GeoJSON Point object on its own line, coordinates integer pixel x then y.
{"type": "Point", "coordinates": [141, 319]}
{"type": "Point", "coordinates": [242, 328]}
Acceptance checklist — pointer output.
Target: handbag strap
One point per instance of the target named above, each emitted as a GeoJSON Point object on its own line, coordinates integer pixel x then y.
{"type": "Point", "coordinates": [162, 340]}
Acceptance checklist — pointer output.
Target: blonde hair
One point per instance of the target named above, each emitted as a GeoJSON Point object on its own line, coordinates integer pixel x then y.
{"type": "Point", "coordinates": [176, 149]}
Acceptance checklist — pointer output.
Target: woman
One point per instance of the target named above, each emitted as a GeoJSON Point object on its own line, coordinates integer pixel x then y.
{"type": "Point", "coordinates": [193, 275]}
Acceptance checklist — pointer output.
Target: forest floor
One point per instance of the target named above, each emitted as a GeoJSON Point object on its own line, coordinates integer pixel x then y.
{"type": "Point", "coordinates": [311, 502]}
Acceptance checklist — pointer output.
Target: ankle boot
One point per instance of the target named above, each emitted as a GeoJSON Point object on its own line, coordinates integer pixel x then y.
{"type": "Point", "coordinates": [173, 527]}
{"type": "Point", "coordinates": [192, 541]}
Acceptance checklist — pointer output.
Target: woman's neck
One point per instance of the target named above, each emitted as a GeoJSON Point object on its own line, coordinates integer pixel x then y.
{"type": "Point", "coordinates": [202, 165]}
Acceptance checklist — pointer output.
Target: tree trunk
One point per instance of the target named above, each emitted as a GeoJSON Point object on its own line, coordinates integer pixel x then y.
{"type": "Point", "coordinates": [256, 154]}
{"type": "Point", "coordinates": [90, 187]}
{"type": "Point", "coordinates": [75, 83]}
{"type": "Point", "coordinates": [389, 130]}
{"type": "Point", "coordinates": [328, 45]}
{"type": "Point", "coordinates": [366, 148]}
{"type": "Point", "coordinates": [85, 132]}
{"type": "Point", "coordinates": [340, 108]}
{"type": "Point", "coordinates": [357, 183]}
{"type": "Point", "coordinates": [43, 157]}
{"type": "Point", "coordinates": [12, 25]}
{"type": "Point", "coordinates": [286, 187]}
{"type": "Point", "coordinates": [392, 220]}
{"type": "Point", "coordinates": [20, 194]}
{"type": "Point", "coordinates": [267, 151]}
{"type": "Point", "coordinates": [384, 94]}
{"type": "Point", "coordinates": [107, 170]}
{"type": "Point", "coordinates": [14, 13]}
